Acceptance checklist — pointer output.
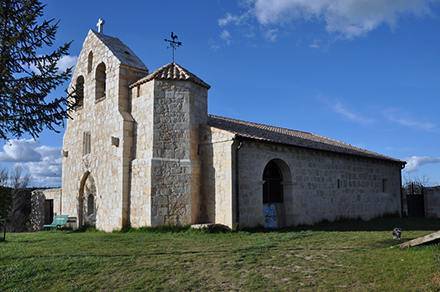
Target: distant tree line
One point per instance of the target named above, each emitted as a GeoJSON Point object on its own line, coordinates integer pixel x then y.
{"type": "Point", "coordinates": [15, 199]}
{"type": "Point", "coordinates": [416, 185]}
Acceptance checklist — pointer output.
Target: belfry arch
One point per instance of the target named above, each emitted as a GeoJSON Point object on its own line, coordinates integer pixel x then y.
{"type": "Point", "coordinates": [87, 201]}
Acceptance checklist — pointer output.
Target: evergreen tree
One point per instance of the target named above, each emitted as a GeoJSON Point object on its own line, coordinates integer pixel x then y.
{"type": "Point", "coordinates": [27, 76]}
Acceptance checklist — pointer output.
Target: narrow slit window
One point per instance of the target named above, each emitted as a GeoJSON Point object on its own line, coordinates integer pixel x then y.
{"type": "Point", "coordinates": [384, 185]}
{"type": "Point", "coordinates": [79, 90]}
{"type": "Point", "coordinates": [90, 62]}
{"type": "Point", "coordinates": [86, 143]}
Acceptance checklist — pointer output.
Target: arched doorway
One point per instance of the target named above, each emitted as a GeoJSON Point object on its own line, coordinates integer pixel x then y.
{"type": "Point", "coordinates": [87, 202]}
{"type": "Point", "coordinates": [274, 176]}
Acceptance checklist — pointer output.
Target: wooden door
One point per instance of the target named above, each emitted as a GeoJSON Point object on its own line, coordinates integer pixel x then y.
{"type": "Point", "coordinates": [48, 211]}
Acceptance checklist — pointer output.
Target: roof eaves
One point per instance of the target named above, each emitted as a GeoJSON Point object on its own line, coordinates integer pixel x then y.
{"type": "Point", "coordinates": [326, 145]}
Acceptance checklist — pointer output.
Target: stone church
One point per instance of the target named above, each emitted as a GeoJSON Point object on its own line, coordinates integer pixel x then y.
{"type": "Point", "coordinates": [142, 150]}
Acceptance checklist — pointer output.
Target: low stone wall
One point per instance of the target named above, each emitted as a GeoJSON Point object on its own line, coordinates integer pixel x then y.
{"type": "Point", "coordinates": [36, 220]}
{"type": "Point", "coordinates": [432, 202]}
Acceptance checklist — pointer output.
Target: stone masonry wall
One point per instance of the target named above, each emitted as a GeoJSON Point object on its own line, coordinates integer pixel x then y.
{"type": "Point", "coordinates": [432, 202]}
{"type": "Point", "coordinates": [217, 177]}
{"type": "Point", "coordinates": [311, 193]}
{"type": "Point", "coordinates": [104, 119]}
{"type": "Point", "coordinates": [180, 108]}
{"type": "Point", "coordinates": [38, 197]}
{"type": "Point", "coordinates": [140, 195]}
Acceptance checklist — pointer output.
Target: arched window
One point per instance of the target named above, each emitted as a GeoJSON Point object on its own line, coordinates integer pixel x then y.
{"type": "Point", "coordinates": [90, 62]}
{"type": "Point", "coordinates": [90, 204]}
{"type": "Point", "coordinates": [101, 77]}
{"type": "Point", "coordinates": [79, 90]}
{"type": "Point", "coordinates": [273, 184]}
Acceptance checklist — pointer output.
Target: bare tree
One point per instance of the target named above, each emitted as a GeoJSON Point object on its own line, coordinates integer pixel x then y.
{"type": "Point", "coordinates": [18, 179]}
{"type": "Point", "coordinates": [20, 205]}
{"type": "Point", "coordinates": [5, 194]}
{"type": "Point", "coordinates": [416, 180]}
{"type": "Point", "coordinates": [3, 177]}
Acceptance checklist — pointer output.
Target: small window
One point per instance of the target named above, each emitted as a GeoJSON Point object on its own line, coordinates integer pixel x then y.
{"type": "Point", "coordinates": [384, 185]}
{"type": "Point", "coordinates": [79, 90]}
{"type": "Point", "coordinates": [86, 143]}
{"type": "Point", "coordinates": [90, 62]}
{"type": "Point", "coordinates": [138, 91]}
{"type": "Point", "coordinates": [101, 79]}
{"type": "Point", "coordinates": [339, 183]}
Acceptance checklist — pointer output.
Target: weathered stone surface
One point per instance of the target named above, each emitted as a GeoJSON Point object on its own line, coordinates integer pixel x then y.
{"type": "Point", "coordinates": [311, 192]}
{"type": "Point", "coordinates": [38, 197]}
{"type": "Point", "coordinates": [217, 189]}
{"type": "Point", "coordinates": [103, 119]}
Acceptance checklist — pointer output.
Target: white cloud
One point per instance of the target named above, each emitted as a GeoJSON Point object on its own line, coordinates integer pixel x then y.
{"type": "Point", "coordinates": [66, 62]}
{"type": "Point", "coordinates": [226, 36]}
{"type": "Point", "coordinates": [232, 19]}
{"type": "Point", "coordinates": [271, 34]}
{"type": "Point", "coordinates": [42, 162]}
{"type": "Point", "coordinates": [347, 113]}
{"type": "Point", "coordinates": [398, 117]}
{"type": "Point", "coordinates": [348, 18]}
{"type": "Point", "coordinates": [415, 162]}
{"type": "Point", "coordinates": [19, 151]}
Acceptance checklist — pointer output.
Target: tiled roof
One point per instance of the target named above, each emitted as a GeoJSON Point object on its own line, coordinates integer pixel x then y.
{"type": "Point", "coordinates": [290, 137]}
{"type": "Point", "coordinates": [124, 54]}
{"type": "Point", "coordinates": [172, 71]}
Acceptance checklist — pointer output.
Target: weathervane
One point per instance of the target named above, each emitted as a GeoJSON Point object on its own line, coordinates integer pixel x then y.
{"type": "Point", "coordinates": [173, 43]}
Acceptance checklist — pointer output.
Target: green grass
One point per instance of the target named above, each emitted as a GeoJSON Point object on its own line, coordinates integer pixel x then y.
{"type": "Point", "coordinates": [351, 258]}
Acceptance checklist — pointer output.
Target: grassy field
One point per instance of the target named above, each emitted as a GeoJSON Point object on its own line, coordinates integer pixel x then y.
{"type": "Point", "coordinates": [342, 256]}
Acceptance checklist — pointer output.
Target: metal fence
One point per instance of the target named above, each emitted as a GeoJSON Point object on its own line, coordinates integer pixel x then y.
{"type": "Point", "coordinates": [415, 199]}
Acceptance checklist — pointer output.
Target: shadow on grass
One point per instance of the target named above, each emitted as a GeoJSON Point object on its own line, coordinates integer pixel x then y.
{"type": "Point", "coordinates": [175, 253]}
{"type": "Point", "coordinates": [379, 224]}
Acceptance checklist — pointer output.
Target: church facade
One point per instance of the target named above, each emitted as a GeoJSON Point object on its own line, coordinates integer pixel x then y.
{"type": "Point", "coordinates": [142, 150]}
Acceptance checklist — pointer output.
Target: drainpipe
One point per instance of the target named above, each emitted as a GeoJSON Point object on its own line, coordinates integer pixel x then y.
{"type": "Point", "coordinates": [237, 184]}
{"type": "Point", "coordinates": [402, 199]}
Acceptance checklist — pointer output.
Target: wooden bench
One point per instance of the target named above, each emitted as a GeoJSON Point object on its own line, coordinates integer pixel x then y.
{"type": "Point", "coordinates": [58, 222]}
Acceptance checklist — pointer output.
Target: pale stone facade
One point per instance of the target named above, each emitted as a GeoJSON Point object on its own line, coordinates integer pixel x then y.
{"type": "Point", "coordinates": [141, 150]}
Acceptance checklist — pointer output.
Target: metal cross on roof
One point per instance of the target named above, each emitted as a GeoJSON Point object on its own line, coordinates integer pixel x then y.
{"type": "Point", "coordinates": [173, 43]}
{"type": "Point", "coordinates": [100, 25]}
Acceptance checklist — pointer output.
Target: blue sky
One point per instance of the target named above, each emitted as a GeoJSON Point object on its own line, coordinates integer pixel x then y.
{"type": "Point", "coordinates": [366, 72]}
